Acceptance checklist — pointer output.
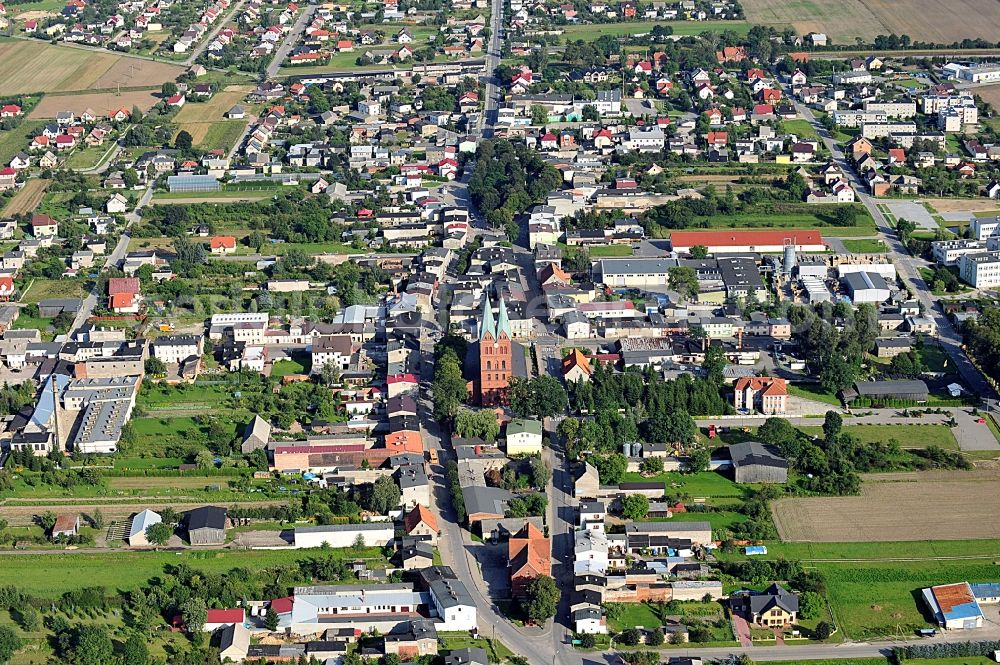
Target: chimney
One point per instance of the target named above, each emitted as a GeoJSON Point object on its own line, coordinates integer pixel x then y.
{"type": "Point", "coordinates": [55, 411]}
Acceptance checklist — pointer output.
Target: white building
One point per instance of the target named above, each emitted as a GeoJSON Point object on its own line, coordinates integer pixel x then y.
{"type": "Point", "coordinates": [140, 523]}
{"type": "Point", "coordinates": [454, 605]}
{"type": "Point", "coordinates": [590, 552]}
{"type": "Point", "coordinates": [980, 270]}
{"type": "Point", "coordinates": [374, 534]}
{"type": "Point", "coordinates": [866, 287]}
{"type": "Point", "coordinates": [985, 227]}
{"type": "Point", "coordinates": [948, 252]}
{"type": "Point", "coordinates": [334, 349]}
{"type": "Point", "coordinates": [246, 326]}
{"type": "Point", "coordinates": [174, 349]}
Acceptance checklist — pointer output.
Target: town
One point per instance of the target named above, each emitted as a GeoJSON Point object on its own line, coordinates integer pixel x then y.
{"type": "Point", "coordinates": [479, 332]}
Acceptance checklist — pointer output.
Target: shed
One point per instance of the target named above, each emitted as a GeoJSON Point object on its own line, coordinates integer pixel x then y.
{"type": "Point", "coordinates": [753, 462]}
{"type": "Point", "coordinates": [207, 525]}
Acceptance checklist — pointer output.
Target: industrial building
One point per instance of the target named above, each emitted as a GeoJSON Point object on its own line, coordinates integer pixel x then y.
{"type": "Point", "coordinates": [754, 462]}
{"type": "Point", "coordinates": [866, 287]}
{"type": "Point", "coordinates": [957, 606]}
{"type": "Point", "coordinates": [764, 242]}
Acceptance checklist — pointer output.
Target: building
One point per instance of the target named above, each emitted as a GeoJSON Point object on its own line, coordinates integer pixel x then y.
{"type": "Point", "coordinates": [528, 557]}
{"type": "Point", "coordinates": [234, 642]}
{"type": "Point", "coordinates": [981, 270]}
{"type": "Point", "coordinates": [66, 526]}
{"type": "Point", "coordinates": [421, 523]}
{"type": "Point", "coordinates": [984, 228]}
{"type": "Point", "coordinates": [469, 656]}
{"type": "Point", "coordinates": [634, 273]}
{"type": "Point", "coordinates": [954, 606]}
{"type": "Point", "coordinates": [772, 608]}
{"type": "Point", "coordinates": [867, 287]}
{"type": "Point", "coordinates": [222, 245]}
{"type": "Point", "coordinates": [576, 367]}
{"type": "Point", "coordinates": [207, 525]}
{"type": "Point", "coordinates": [524, 437]}
{"type": "Point", "coordinates": [256, 435]}
{"type": "Point", "coordinates": [379, 606]}
{"type": "Point", "coordinates": [451, 601]}
{"type": "Point", "coordinates": [948, 252]}
{"type": "Point", "coordinates": [496, 361]}
{"type": "Point", "coordinates": [417, 637]}
{"type": "Point", "coordinates": [586, 481]}
{"type": "Point", "coordinates": [657, 535]}
{"type": "Point", "coordinates": [878, 391]}
{"type": "Point", "coordinates": [373, 534]}
{"type": "Point", "coordinates": [754, 462]}
{"type": "Point", "coordinates": [175, 349]}
{"type": "Point", "coordinates": [140, 523]}
{"type": "Point", "coordinates": [890, 347]}
{"type": "Point", "coordinates": [765, 242]}
{"type": "Point", "coordinates": [334, 349]}
{"type": "Point", "coordinates": [219, 618]}
{"type": "Point", "coordinates": [762, 394]}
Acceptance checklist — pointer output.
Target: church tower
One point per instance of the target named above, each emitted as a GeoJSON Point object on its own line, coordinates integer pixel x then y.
{"type": "Point", "coordinates": [495, 355]}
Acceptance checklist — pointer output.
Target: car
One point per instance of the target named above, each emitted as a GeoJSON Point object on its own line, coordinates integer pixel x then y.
{"type": "Point", "coordinates": [981, 421]}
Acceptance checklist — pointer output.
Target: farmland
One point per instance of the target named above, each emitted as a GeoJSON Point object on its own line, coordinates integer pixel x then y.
{"type": "Point", "coordinates": [683, 28]}
{"type": "Point", "coordinates": [951, 505]}
{"type": "Point", "coordinates": [99, 102]}
{"type": "Point", "coordinates": [845, 20]}
{"type": "Point", "coordinates": [30, 66]}
{"type": "Point", "coordinates": [205, 121]}
{"type": "Point", "coordinates": [908, 436]}
{"type": "Point", "coordinates": [14, 140]}
{"type": "Point", "coordinates": [27, 199]}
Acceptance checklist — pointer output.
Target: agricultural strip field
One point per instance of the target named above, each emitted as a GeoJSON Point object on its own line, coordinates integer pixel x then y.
{"type": "Point", "coordinates": [54, 574]}
{"type": "Point", "coordinates": [939, 505]}
{"type": "Point", "coordinates": [27, 199]}
{"type": "Point", "coordinates": [908, 436]}
{"type": "Point", "coordinates": [682, 28]}
{"type": "Point", "coordinates": [206, 123]}
{"type": "Point", "coordinates": [845, 20]}
{"type": "Point", "coordinates": [33, 66]}
{"type": "Point", "coordinates": [99, 102]}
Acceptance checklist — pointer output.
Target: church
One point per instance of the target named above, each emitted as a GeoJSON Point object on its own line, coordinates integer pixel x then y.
{"type": "Point", "coordinates": [494, 358]}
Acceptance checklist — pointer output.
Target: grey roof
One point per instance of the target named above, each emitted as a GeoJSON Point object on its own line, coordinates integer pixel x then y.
{"type": "Point", "coordinates": [774, 596]}
{"type": "Point", "coordinates": [652, 527]}
{"type": "Point", "coordinates": [636, 266]}
{"type": "Point", "coordinates": [859, 281]}
{"type": "Point", "coordinates": [753, 452]}
{"type": "Point", "coordinates": [898, 387]}
{"type": "Point", "coordinates": [451, 593]}
{"type": "Point", "coordinates": [207, 517]}
{"type": "Point", "coordinates": [482, 499]}
{"type": "Point", "coordinates": [473, 656]}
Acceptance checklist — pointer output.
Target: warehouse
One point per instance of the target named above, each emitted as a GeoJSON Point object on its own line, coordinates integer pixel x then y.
{"type": "Point", "coordinates": [635, 273]}
{"type": "Point", "coordinates": [866, 287]}
{"type": "Point", "coordinates": [754, 462]}
{"type": "Point", "coordinates": [207, 526]}
{"type": "Point", "coordinates": [954, 606]}
{"type": "Point", "coordinates": [651, 535]}
{"type": "Point", "coordinates": [764, 242]}
{"type": "Point", "coordinates": [913, 390]}
{"type": "Point", "coordinates": [374, 534]}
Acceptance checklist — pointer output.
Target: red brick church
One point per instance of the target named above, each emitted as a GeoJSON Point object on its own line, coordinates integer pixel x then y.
{"type": "Point", "coordinates": [494, 352]}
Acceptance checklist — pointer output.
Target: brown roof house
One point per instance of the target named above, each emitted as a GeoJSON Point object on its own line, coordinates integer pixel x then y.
{"type": "Point", "coordinates": [528, 557]}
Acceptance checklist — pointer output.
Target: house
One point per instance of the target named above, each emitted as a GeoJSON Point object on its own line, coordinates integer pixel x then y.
{"type": "Point", "coordinates": [421, 523]}
{"type": "Point", "coordinates": [416, 555]}
{"type": "Point", "coordinates": [222, 245]}
{"type": "Point", "coordinates": [528, 557]}
{"type": "Point", "coordinates": [216, 619]}
{"type": "Point", "coordinates": [586, 481]}
{"type": "Point", "coordinates": [256, 435]}
{"type": "Point", "coordinates": [175, 349]}
{"type": "Point", "coordinates": [524, 437]}
{"type": "Point", "coordinates": [774, 607]}
{"type": "Point", "coordinates": [124, 295]}
{"type": "Point", "coordinates": [576, 367]}
{"type": "Point", "coordinates": [117, 204]}
{"type": "Point", "coordinates": [334, 349]}
{"type": "Point", "coordinates": [139, 525]}
{"type": "Point", "coordinates": [417, 637]}
{"type": "Point", "coordinates": [234, 642]}
{"type": "Point", "coordinates": [207, 525]}
{"type": "Point", "coordinates": [762, 394]}
{"type": "Point", "coordinates": [469, 656]}
{"type": "Point", "coordinates": [43, 226]}
{"type": "Point", "coordinates": [754, 462]}
{"type": "Point", "coordinates": [67, 526]}
{"type": "Point", "coordinates": [8, 178]}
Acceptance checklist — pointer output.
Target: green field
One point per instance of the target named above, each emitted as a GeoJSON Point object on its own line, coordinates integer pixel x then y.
{"type": "Point", "coordinates": [611, 250]}
{"type": "Point", "coordinates": [52, 575]}
{"type": "Point", "coordinates": [813, 392]}
{"type": "Point", "coordinates": [908, 436]}
{"type": "Point", "coordinates": [17, 139]}
{"type": "Point", "coordinates": [801, 128]}
{"type": "Point", "coordinates": [704, 484]}
{"type": "Point", "coordinates": [297, 365]}
{"type": "Point", "coordinates": [865, 246]}
{"type": "Point", "coordinates": [589, 32]}
{"type": "Point", "coordinates": [42, 289]}
{"type": "Point", "coordinates": [814, 552]}
{"type": "Point", "coordinates": [223, 134]}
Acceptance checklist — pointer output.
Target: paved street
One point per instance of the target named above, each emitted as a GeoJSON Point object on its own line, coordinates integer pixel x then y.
{"type": "Point", "coordinates": [288, 43]}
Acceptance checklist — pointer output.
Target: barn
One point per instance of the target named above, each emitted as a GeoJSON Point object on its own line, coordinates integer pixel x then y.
{"type": "Point", "coordinates": [207, 525]}
{"type": "Point", "coordinates": [754, 462]}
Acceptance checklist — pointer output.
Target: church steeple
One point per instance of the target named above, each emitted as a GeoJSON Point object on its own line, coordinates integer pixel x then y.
{"type": "Point", "coordinates": [503, 322]}
{"type": "Point", "coordinates": [487, 325]}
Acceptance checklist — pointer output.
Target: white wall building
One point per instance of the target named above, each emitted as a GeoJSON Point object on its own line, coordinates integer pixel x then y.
{"type": "Point", "coordinates": [980, 270]}
{"type": "Point", "coordinates": [374, 534]}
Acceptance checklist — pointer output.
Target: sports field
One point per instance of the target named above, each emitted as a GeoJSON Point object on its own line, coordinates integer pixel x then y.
{"type": "Point", "coordinates": [933, 505]}
{"type": "Point", "coordinates": [33, 66]}
{"type": "Point", "coordinates": [844, 20]}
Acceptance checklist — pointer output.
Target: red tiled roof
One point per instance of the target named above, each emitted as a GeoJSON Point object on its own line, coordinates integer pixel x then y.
{"type": "Point", "coordinates": [419, 515]}
{"type": "Point", "coordinates": [229, 242]}
{"type": "Point", "coordinates": [743, 238]}
{"type": "Point", "coordinates": [225, 616]}
{"type": "Point", "coordinates": [118, 285]}
{"type": "Point", "coordinates": [771, 386]}
{"type": "Point", "coordinates": [282, 605]}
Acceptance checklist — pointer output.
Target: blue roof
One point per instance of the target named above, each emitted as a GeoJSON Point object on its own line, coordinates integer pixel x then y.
{"type": "Point", "coordinates": [963, 611]}
{"type": "Point", "coordinates": [46, 405]}
{"type": "Point", "coordinates": [985, 589]}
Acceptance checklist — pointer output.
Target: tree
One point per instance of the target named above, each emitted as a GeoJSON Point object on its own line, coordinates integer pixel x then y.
{"type": "Point", "coordinates": [449, 386]}
{"type": "Point", "coordinates": [715, 364]}
{"type": "Point", "coordinates": [540, 474]}
{"type": "Point", "coordinates": [134, 651]}
{"type": "Point", "coordinates": [683, 280]}
{"type": "Point", "coordinates": [183, 140]}
{"type": "Point", "coordinates": [810, 605]}
{"type": "Point", "coordinates": [541, 598]}
{"type": "Point", "coordinates": [651, 465]}
{"type": "Point", "coordinates": [587, 641]}
{"type": "Point", "coordinates": [97, 518]}
{"type": "Point", "coordinates": [47, 521]}
{"type": "Point", "coordinates": [610, 468]}
{"type": "Point", "coordinates": [28, 617]}
{"type": "Point", "coordinates": [195, 613]}
{"type": "Point", "coordinates": [832, 424]}
{"type": "Point", "coordinates": [823, 630]}
{"type": "Point", "coordinates": [635, 507]}
{"type": "Point", "coordinates": [539, 116]}
{"type": "Point", "coordinates": [697, 460]}
{"type": "Point", "coordinates": [385, 495]}
{"type": "Point", "coordinates": [92, 644]}
{"type": "Point", "coordinates": [159, 533]}
{"type": "Point", "coordinates": [168, 89]}
{"type": "Point", "coordinates": [9, 643]}
{"type": "Point", "coordinates": [330, 374]}
{"type": "Point", "coordinates": [204, 459]}
{"type": "Point", "coordinates": [483, 423]}
{"type": "Point", "coordinates": [543, 396]}
{"type": "Point", "coordinates": [630, 637]}
{"type": "Point", "coordinates": [271, 619]}
{"type": "Point", "coordinates": [155, 367]}
{"type": "Point", "coordinates": [699, 252]}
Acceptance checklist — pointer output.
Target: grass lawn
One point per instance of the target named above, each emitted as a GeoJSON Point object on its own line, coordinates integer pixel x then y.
{"type": "Point", "coordinates": [801, 128]}
{"type": "Point", "coordinates": [865, 246]}
{"type": "Point", "coordinates": [25, 322]}
{"type": "Point", "coordinates": [42, 289]}
{"type": "Point", "coordinates": [589, 32]}
{"type": "Point", "coordinates": [88, 157]}
{"type": "Point", "coordinates": [927, 275]}
{"type": "Point", "coordinates": [611, 250]}
{"type": "Point", "coordinates": [806, 216]}
{"type": "Point", "coordinates": [908, 436]}
{"type": "Point", "coordinates": [704, 484]}
{"type": "Point", "coordinates": [311, 248]}
{"type": "Point", "coordinates": [128, 570]}
{"type": "Point", "coordinates": [297, 365]}
{"type": "Point", "coordinates": [496, 650]}
{"type": "Point", "coordinates": [935, 359]}
{"type": "Point", "coordinates": [17, 139]}
{"type": "Point", "coordinates": [723, 519]}
{"type": "Point", "coordinates": [814, 552]}
{"type": "Point", "coordinates": [813, 392]}
{"type": "Point", "coordinates": [633, 615]}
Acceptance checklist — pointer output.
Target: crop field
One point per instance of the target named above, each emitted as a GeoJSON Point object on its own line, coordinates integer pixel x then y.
{"type": "Point", "coordinates": [682, 28]}
{"type": "Point", "coordinates": [206, 123]}
{"type": "Point", "coordinates": [939, 505]}
{"type": "Point", "coordinates": [30, 66]}
{"type": "Point", "coordinates": [845, 20]}
{"type": "Point", "coordinates": [99, 102]}
{"type": "Point", "coordinates": [28, 198]}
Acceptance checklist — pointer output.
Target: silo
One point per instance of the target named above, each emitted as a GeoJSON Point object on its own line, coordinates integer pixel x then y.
{"type": "Point", "coordinates": [789, 260]}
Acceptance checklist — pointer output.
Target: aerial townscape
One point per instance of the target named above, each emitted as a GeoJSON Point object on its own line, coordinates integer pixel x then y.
{"type": "Point", "coordinates": [499, 332]}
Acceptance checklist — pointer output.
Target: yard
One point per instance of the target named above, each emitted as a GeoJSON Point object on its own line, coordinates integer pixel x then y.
{"type": "Point", "coordinates": [704, 484]}
{"type": "Point", "coordinates": [85, 159]}
{"type": "Point", "coordinates": [814, 392]}
{"type": "Point", "coordinates": [864, 246]}
{"type": "Point", "coordinates": [15, 140]}
{"type": "Point", "coordinates": [908, 436]}
{"type": "Point", "coordinates": [43, 289]}
{"type": "Point", "coordinates": [299, 364]}
{"type": "Point", "coordinates": [801, 128]}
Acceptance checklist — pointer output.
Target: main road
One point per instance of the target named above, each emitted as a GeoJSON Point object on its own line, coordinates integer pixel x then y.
{"type": "Point", "coordinates": [908, 266]}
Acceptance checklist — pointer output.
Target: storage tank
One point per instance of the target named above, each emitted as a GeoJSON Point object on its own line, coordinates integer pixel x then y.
{"type": "Point", "coordinates": [636, 449]}
{"type": "Point", "coordinates": [789, 261]}
{"type": "Point", "coordinates": [627, 449]}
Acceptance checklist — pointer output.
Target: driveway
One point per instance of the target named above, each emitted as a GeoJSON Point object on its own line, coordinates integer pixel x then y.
{"type": "Point", "coordinates": [913, 211]}
{"type": "Point", "coordinates": [742, 630]}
